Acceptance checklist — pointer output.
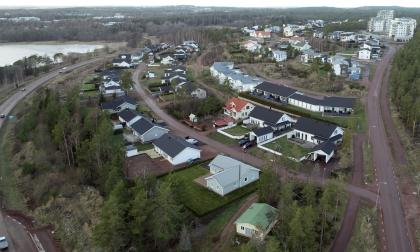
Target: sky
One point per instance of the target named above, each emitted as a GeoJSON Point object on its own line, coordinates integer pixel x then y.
{"type": "Point", "coordinates": [233, 3]}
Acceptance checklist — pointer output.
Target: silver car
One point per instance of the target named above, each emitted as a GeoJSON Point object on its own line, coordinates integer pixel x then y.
{"type": "Point", "coordinates": [3, 243]}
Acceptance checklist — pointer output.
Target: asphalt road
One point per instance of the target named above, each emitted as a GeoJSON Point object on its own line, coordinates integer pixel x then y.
{"type": "Point", "coordinates": [183, 130]}
{"type": "Point", "coordinates": [16, 234]}
{"type": "Point", "coordinates": [395, 226]}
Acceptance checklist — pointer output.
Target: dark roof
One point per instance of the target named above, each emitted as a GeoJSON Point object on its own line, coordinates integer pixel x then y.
{"type": "Point", "coordinates": [121, 60]}
{"type": "Point", "coordinates": [143, 125]}
{"type": "Point", "coordinates": [112, 87]}
{"type": "Point", "coordinates": [320, 129]}
{"type": "Point", "coordinates": [326, 101]}
{"type": "Point", "coordinates": [165, 89]}
{"type": "Point", "coordinates": [128, 114]}
{"type": "Point", "coordinates": [172, 145]}
{"type": "Point", "coordinates": [276, 89]}
{"type": "Point", "coordinates": [118, 102]}
{"type": "Point", "coordinates": [262, 131]}
{"type": "Point", "coordinates": [327, 147]}
{"type": "Point", "coordinates": [267, 115]}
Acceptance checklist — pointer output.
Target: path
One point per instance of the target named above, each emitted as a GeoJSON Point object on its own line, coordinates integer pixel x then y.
{"type": "Point", "coordinates": [344, 235]}
{"type": "Point", "coordinates": [16, 234]}
{"type": "Point", "coordinates": [394, 232]}
{"type": "Point", "coordinates": [183, 130]}
{"type": "Point", "coordinates": [229, 228]}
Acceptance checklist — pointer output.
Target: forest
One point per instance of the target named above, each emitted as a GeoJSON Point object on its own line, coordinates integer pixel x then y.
{"type": "Point", "coordinates": [405, 85]}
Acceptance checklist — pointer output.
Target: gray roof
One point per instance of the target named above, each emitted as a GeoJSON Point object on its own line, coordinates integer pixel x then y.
{"type": "Point", "coordinates": [114, 104]}
{"type": "Point", "coordinates": [232, 169]}
{"type": "Point", "coordinates": [269, 116]}
{"type": "Point", "coordinates": [172, 145]}
{"type": "Point", "coordinates": [328, 147]}
{"type": "Point", "coordinates": [262, 131]}
{"type": "Point", "coordinates": [317, 128]}
{"type": "Point", "coordinates": [276, 89]}
{"type": "Point", "coordinates": [223, 67]}
{"type": "Point", "coordinates": [332, 101]}
{"type": "Point", "coordinates": [128, 114]}
{"type": "Point", "coordinates": [143, 125]}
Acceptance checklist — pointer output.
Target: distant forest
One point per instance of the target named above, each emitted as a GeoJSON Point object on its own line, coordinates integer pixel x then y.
{"type": "Point", "coordinates": [87, 24]}
{"type": "Point", "coordinates": [405, 84]}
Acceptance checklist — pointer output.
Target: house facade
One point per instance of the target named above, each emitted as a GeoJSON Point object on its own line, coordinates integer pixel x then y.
{"type": "Point", "coordinates": [237, 108]}
{"type": "Point", "coordinates": [279, 55]}
{"type": "Point", "coordinates": [175, 149]}
{"type": "Point", "coordinates": [229, 174]}
{"type": "Point", "coordinates": [315, 131]}
{"type": "Point", "coordinates": [263, 117]}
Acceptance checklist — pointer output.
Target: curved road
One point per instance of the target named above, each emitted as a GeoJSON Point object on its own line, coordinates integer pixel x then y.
{"type": "Point", "coordinates": [392, 213]}
{"type": "Point", "coordinates": [183, 130]}
{"type": "Point", "coordinates": [16, 233]}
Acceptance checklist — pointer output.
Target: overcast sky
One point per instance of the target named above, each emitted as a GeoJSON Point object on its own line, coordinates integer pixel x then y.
{"type": "Point", "coordinates": [234, 3]}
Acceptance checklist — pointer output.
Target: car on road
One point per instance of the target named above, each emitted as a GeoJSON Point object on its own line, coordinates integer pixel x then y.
{"type": "Point", "coordinates": [191, 140]}
{"type": "Point", "coordinates": [22, 89]}
{"type": "Point", "coordinates": [64, 70]}
{"type": "Point", "coordinates": [2, 116]}
{"type": "Point", "coordinates": [3, 243]}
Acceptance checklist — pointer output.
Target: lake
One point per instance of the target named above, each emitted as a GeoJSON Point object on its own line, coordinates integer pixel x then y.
{"type": "Point", "coordinates": [11, 52]}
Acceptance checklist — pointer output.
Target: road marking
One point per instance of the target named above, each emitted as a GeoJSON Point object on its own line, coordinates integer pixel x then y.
{"type": "Point", "coordinates": [37, 243]}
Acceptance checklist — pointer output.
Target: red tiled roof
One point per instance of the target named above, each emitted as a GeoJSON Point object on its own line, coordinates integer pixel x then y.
{"type": "Point", "coordinates": [235, 103]}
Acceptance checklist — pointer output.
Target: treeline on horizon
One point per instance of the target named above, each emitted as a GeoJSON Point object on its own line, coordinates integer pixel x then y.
{"type": "Point", "coordinates": [79, 24]}
{"type": "Point", "coordinates": [405, 84]}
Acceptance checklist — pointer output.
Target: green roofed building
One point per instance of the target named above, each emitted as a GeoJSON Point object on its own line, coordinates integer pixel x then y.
{"type": "Point", "coordinates": [257, 221]}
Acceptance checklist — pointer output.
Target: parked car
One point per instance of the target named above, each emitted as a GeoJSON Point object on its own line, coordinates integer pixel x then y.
{"type": "Point", "coordinates": [3, 243]}
{"type": "Point", "coordinates": [247, 145]}
{"type": "Point", "coordinates": [192, 161]}
{"type": "Point", "coordinates": [192, 141]}
{"type": "Point", "coordinates": [22, 89]}
{"type": "Point", "coordinates": [243, 141]}
{"type": "Point", "coordinates": [2, 116]}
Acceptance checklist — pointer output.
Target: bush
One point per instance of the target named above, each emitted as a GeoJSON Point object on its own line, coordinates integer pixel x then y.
{"type": "Point", "coordinates": [28, 169]}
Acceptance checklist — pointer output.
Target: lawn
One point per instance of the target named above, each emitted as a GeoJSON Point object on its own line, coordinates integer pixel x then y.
{"type": "Point", "coordinates": [92, 93]}
{"type": "Point", "coordinates": [167, 97]}
{"type": "Point", "coordinates": [87, 87]}
{"type": "Point", "coordinates": [237, 131]}
{"type": "Point", "coordinates": [287, 148]}
{"type": "Point", "coordinates": [222, 138]}
{"type": "Point", "coordinates": [199, 199]}
{"type": "Point", "coordinates": [145, 146]}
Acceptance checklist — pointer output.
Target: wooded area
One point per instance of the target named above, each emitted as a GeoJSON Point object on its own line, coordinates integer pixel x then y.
{"type": "Point", "coordinates": [405, 84]}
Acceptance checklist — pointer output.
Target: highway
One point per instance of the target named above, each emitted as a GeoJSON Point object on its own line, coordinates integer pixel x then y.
{"type": "Point", "coordinates": [16, 233]}
{"type": "Point", "coordinates": [394, 231]}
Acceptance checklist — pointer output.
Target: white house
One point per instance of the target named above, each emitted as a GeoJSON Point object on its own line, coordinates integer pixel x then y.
{"type": "Point", "coordinates": [300, 45]}
{"type": "Point", "coordinates": [119, 104]}
{"type": "Point", "coordinates": [237, 108]}
{"type": "Point", "coordinates": [199, 93]}
{"type": "Point", "coordinates": [263, 117]}
{"type": "Point", "coordinates": [315, 131]}
{"type": "Point", "coordinates": [237, 80]}
{"type": "Point", "coordinates": [257, 221]}
{"type": "Point", "coordinates": [260, 34]}
{"type": "Point", "coordinates": [229, 174]}
{"type": "Point", "coordinates": [146, 130]}
{"type": "Point", "coordinates": [279, 55]}
{"type": "Point", "coordinates": [175, 149]}
{"type": "Point", "coordinates": [168, 60]}
{"type": "Point", "coordinates": [261, 135]}
{"type": "Point", "coordinates": [128, 117]}
{"type": "Point", "coordinates": [251, 46]}
{"type": "Point", "coordinates": [364, 54]}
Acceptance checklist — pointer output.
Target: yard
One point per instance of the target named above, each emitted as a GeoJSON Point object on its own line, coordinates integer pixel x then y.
{"type": "Point", "coordinates": [198, 198]}
{"type": "Point", "coordinates": [145, 146]}
{"type": "Point", "coordinates": [287, 148]}
{"type": "Point", "coordinates": [87, 87]}
{"type": "Point", "coordinates": [237, 131]}
{"type": "Point", "coordinates": [222, 138]}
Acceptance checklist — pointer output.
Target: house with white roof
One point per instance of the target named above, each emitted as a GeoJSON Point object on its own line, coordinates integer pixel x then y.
{"type": "Point", "coordinates": [228, 174]}
{"type": "Point", "coordinates": [279, 55]}
{"type": "Point", "coordinates": [237, 80]}
{"type": "Point", "coordinates": [251, 46]}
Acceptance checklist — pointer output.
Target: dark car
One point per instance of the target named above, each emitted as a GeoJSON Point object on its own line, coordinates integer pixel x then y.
{"type": "Point", "coordinates": [247, 145]}
{"type": "Point", "coordinates": [243, 141]}
{"type": "Point", "coordinates": [2, 116]}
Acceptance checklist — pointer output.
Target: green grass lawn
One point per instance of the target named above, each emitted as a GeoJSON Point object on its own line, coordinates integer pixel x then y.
{"type": "Point", "coordinates": [287, 148]}
{"type": "Point", "coordinates": [92, 93]}
{"type": "Point", "coordinates": [198, 198]}
{"type": "Point", "coordinates": [145, 146]}
{"type": "Point", "coordinates": [237, 131]}
{"type": "Point", "coordinates": [168, 97]}
{"type": "Point", "coordinates": [222, 138]}
{"type": "Point", "coordinates": [87, 87]}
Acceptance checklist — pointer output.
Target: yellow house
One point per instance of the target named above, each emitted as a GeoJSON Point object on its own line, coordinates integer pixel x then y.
{"type": "Point", "coordinates": [257, 221]}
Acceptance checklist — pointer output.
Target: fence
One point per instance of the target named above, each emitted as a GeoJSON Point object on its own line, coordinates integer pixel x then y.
{"type": "Point", "coordinates": [221, 131]}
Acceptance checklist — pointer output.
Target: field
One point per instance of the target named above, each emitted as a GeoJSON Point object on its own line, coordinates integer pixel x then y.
{"type": "Point", "coordinates": [222, 138]}
{"type": "Point", "coordinates": [198, 198]}
{"type": "Point", "coordinates": [237, 131]}
{"type": "Point", "coordinates": [287, 148]}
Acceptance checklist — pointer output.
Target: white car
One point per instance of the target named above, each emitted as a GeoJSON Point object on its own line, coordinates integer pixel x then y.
{"type": "Point", "coordinates": [3, 243]}
{"type": "Point", "coordinates": [192, 141]}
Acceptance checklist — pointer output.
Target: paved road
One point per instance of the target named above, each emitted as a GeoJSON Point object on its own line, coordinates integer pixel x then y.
{"type": "Point", "coordinates": [15, 232]}
{"type": "Point", "coordinates": [395, 225]}
{"type": "Point", "coordinates": [344, 235]}
{"type": "Point", "coordinates": [183, 130]}
{"type": "Point", "coordinates": [11, 102]}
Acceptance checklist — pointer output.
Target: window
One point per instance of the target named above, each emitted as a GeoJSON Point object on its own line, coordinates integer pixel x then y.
{"type": "Point", "coordinates": [242, 228]}
{"type": "Point", "coordinates": [246, 179]}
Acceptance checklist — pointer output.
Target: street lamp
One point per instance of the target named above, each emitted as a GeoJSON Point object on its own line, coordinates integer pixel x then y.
{"type": "Point", "coordinates": [379, 189]}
